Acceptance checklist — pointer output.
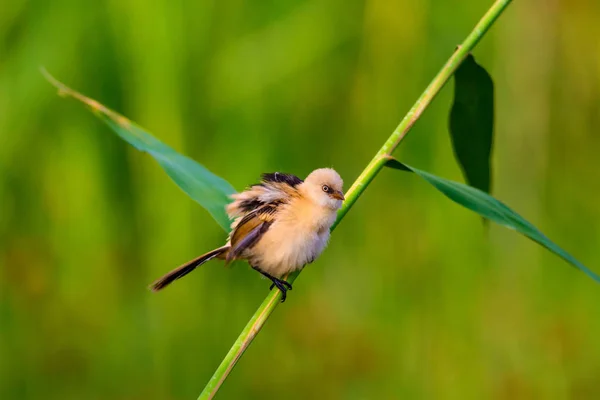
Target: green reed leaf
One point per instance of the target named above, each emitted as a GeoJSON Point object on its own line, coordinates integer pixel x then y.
{"type": "Point", "coordinates": [492, 209]}
{"type": "Point", "coordinates": [209, 190]}
{"type": "Point", "coordinates": [472, 122]}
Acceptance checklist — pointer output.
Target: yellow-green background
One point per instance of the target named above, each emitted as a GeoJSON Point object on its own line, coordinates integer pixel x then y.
{"type": "Point", "coordinates": [412, 299]}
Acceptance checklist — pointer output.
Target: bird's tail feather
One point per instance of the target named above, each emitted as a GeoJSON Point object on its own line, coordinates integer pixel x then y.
{"type": "Point", "coordinates": [186, 268]}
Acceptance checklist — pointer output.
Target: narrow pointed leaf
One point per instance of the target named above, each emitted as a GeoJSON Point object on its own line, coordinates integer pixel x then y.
{"type": "Point", "coordinates": [492, 209]}
{"type": "Point", "coordinates": [208, 189]}
{"type": "Point", "coordinates": [472, 122]}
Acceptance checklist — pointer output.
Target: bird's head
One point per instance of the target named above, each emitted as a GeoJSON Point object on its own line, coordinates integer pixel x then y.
{"type": "Point", "coordinates": [324, 187]}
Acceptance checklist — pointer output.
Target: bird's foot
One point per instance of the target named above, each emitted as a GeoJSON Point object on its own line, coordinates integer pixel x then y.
{"type": "Point", "coordinates": [285, 283]}
{"type": "Point", "coordinates": [282, 285]}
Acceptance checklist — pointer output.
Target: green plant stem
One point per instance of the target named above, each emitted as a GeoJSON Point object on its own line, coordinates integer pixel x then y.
{"type": "Point", "coordinates": [358, 187]}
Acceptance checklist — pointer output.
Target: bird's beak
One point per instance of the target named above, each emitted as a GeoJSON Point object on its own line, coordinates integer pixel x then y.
{"type": "Point", "coordinates": [338, 195]}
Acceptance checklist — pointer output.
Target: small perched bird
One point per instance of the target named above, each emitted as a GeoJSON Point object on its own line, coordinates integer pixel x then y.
{"type": "Point", "coordinates": [279, 226]}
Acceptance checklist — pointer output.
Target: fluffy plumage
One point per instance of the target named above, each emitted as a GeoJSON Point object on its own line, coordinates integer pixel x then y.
{"type": "Point", "coordinates": [279, 225]}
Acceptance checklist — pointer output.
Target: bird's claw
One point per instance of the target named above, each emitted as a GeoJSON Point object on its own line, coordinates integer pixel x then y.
{"type": "Point", "coordinates": [282, 285]}
{"type": "Point", "coordinates": [286, 283]}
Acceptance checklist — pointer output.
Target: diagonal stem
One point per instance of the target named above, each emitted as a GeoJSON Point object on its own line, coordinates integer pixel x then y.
{"type": "Point", "coordinates": [358, 187]}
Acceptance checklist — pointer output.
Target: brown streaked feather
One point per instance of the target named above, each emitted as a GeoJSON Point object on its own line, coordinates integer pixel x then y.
{"type": "Point", "coordinates": [244, 226]}
{"type": "Point", "coordinates": [248, 240]}
{"type": "Point", "coordinates": [254, 210]}
{"type": "Point", "coordinates": [250, 228]}
{"type": "Point", "coordinates": [186, 268]}
{"type": "Point", "coordinates": [274, 187]}
{"type": "Point", "coordinates": [250, 205]}
{"type": "Point", "coordinates": [248, 201]}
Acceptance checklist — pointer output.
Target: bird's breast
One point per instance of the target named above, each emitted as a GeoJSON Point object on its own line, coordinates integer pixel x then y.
{"type": "Point", "coordinates": [291, 242]}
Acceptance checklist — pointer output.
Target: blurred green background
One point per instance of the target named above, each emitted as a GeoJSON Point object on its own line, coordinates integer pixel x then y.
{"type": "Point", "coordinates": [412, 299]}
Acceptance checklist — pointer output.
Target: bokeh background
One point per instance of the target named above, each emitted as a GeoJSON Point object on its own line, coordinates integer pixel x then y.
{"type": "Point", "coordinates": [413, 298]}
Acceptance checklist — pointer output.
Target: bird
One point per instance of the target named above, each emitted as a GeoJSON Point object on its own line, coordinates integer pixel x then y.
{"type": "Point", "coordinates": [278, 226]}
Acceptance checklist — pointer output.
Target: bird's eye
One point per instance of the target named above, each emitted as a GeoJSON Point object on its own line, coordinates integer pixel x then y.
{"type": "Point", "coordinates": [326, 188]}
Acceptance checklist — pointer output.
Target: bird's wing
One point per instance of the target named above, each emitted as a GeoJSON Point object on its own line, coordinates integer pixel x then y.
{"type": "Point", "coordinates": [250, 228]}
{"type": "Point", "coordinates": [274, 188]}
{"type": "Point", "coordinates": [254, 209]}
